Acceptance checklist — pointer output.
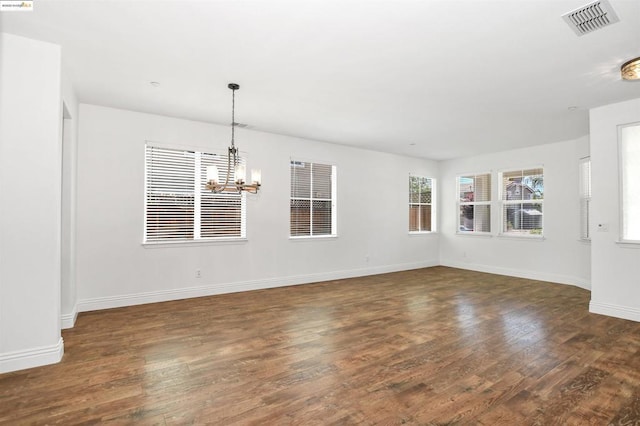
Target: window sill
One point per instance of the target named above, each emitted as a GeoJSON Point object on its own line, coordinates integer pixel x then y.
{"type": "Point", "coordinates": [418, 233]}
{"type": "Point", "coordinates": [475, 234]}
{"type": "Point", "coordinates": [177, 244]}
{"type": "Point", "coordinates": [522, 237]}
{"type": "Point", "coordinates": [632, 244]}
{"type": "Point", "coordinates": [314, 238]}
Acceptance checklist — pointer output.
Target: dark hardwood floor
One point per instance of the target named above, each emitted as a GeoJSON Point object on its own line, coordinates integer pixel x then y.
{"type": "Point", "coordinates": [432, 346]}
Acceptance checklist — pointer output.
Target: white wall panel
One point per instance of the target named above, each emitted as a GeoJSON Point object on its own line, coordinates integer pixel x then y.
{"type": "Point", "coordinates": [614, 267]}
{"type": "Point", "coordinates": [114, 268]}
{"type": "Point", "coordinates": [30, 210]}
{"type": "Point", "coordinates": [560, 256]}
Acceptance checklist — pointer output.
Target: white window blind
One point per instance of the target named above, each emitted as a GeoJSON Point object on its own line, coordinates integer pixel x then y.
{"type": "Point", "coordinates": [585, 197]}
{"type": "Point", "coordinates": [630, 180]}
{"type": "Point", "coordinates": [178, 207]}
{"type": "Point", "coordinates": [474, 205]}
{"type": "Point", "coordinates": [312, 204]}
{"type": "Point", "coordinates": [221, 215]}
{"type": "Point", "coordinates": [522, 198]}
{"type": "Point", "coordinates": [421, 204]}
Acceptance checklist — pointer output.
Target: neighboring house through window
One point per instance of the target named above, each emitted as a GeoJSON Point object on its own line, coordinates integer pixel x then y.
{"type": "Point", "coordinates": [474, 205]}
{"type": "Point", "coordinates": [522, 198]}
{"type": "Point", "coordinates": [178, 207]}
{"type": "Point", "coordinates": [312, 203]}
{"type": "Point", "coordinates": [421, 204]}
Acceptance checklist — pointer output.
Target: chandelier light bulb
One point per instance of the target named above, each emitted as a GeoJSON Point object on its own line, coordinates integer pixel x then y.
{"type": "Point", "coordinates": [241, 173]}
{"type": "Point", "coordinates": [256, 176]}
{"type": "Point", "coordinates": [212, 174]}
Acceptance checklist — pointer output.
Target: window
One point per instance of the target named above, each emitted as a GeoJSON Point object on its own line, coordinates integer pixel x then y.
{"type": "Point", "coordinates": [312, 204]}
{"type": "Point", "coordinates": [421, 196]}
{"type": "Point", "coordinates": [585, 197]}
{"type": "Point", "coordinates": [630, 181]}
{"type": "Point", "coordinates": [178, 207]}
{"type": "Point", "coordinates": [474, 206]}
{"type": "Point", "coordinates": [522, 197]}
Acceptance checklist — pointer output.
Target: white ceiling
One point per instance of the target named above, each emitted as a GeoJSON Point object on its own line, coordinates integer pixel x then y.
{"type": "Point", "coordinates": [433, 79]}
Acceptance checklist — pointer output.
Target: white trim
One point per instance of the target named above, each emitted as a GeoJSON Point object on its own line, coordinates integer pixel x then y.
{"type": "Point", "coordinates": [515, 169]}
{"type": "Point", "coordinates": [629, 243]}
{"type": "Point", "coordinates": [312, 237]}
{"type": "Point", "coordinates": [519, 273]}
{"type": "Point", "coordinates": [36, 357]}
{"type": "Point", "coordinates": [318, 160]}
{"type": "Point", "coordinates": [417, 233]}
{"type": "Point", "coordinates": [618, 311]}
{"type": "Point", "coordinates": [68, 320]}
{"type": "Point", "coordinates": [234, 287]}
{"type": "Point", "coordinates": [194, 243]}
{"type": "Point", "coordinates": [185, 146]}
{"type": "Point", "coordinates": [475, 234]}
{"type": "Point", "coordinates": [526, 237]}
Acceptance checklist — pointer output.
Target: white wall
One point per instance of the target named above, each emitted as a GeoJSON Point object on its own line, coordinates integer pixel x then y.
{"type": "Point", "coordinates": [560, 256]}
{"type": "Point", "coordinates": [114, 269]}
{"type": "Point", "coordinates": [69, 166]}
{"type": "Point", "coordinates": [615, 288]}
{"type": "Point", "coordinates": [30, 159]}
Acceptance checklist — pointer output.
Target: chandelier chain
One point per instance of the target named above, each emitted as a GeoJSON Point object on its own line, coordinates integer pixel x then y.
{"type": "Point", "coordinates": [233, 117]}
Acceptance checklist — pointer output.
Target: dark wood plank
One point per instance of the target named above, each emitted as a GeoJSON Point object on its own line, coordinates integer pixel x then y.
{"type": "Point", "coordinates": [433, 346]}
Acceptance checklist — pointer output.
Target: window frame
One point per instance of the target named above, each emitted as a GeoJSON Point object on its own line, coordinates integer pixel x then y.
{"type": "Point", "coordinates": [584, 178]}
{"type": "Point", "coordinates": [432, 204]}
{"type": "Point", "coordinates": [475, 203]}
{"type": "Point", "coordinates": [621, 178]}
{"type": "Point", "coordinates": [199, 192]}
{"type": "Point", "coordinates": [333, 199]}
{"type": "Point", "coordinates": [503, 203]}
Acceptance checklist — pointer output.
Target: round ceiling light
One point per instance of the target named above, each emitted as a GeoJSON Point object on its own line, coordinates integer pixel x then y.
{"type": "Point", "coordinates": [631, 70]}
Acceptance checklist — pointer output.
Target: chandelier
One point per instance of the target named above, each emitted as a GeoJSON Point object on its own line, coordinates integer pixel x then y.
{"type": "Point", "coordinates": [233, 160]}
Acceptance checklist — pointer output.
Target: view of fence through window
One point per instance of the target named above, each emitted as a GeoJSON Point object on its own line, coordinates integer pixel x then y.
{"type": "Point", "coordinates": [420, 204]}
{"type": "Point", "coordinates": [312, 211]}
{"type": "Point", "coordinates": [179, 207]}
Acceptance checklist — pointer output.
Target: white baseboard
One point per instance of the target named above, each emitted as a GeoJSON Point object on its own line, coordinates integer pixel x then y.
{"type": "Point", "coordinates": [36, 357]}
{"type": "Point", "coordinates": [108, 302]}
{"type": "Point", "coordinates": [617, 311]}
{"type": "Point", "coordinates": [68, 320]}
{"type": "Point", "coordinates": [532, 275]}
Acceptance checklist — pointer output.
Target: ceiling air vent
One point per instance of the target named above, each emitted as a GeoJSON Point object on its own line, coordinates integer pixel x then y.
{"type": "Point", "coordinates": [591, 17]}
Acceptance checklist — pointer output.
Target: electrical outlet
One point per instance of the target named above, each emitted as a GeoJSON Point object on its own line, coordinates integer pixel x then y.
{"type": "Point", "coordinates": [198, 273]}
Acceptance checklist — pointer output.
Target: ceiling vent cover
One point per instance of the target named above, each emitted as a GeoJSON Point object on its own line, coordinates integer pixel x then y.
{"type": "Point", "coordinates": [591, 17]}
